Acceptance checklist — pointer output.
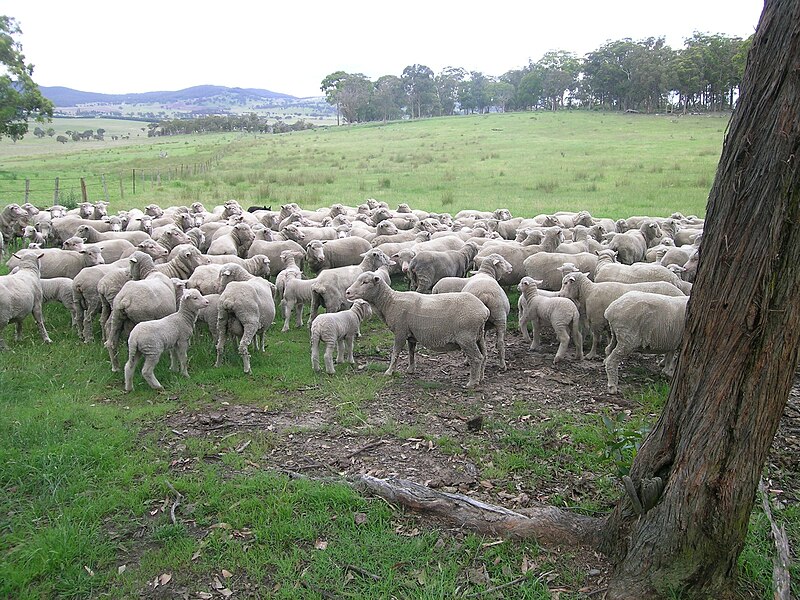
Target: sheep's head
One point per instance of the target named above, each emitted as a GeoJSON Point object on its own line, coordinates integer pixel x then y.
{"type": "Point", "coordinates": [362, 309]}
{"type": "Point", "coordinates": [73, 243]}
{"type": "Point", "coordinates": [153, 249]}
{"type": "Point", "coordinates": [193, 298]}
{"type": "Point", "coordinates": [364, 285]}
{"type": "Point", "coordinates": [501, 265]}
{"type": "Point", "coordinates": [315, 253]}
{"type": "Point", "coordinates": [607, 254]}
{"type": "Point", "coordinates": [570, 285]}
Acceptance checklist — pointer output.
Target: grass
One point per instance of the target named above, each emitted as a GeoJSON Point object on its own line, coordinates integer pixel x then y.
{"type": "Point", "coordinates": [87, 472]}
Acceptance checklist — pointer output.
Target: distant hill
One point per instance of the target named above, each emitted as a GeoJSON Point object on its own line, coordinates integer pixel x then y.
{"type": "Point", "coordinates": [193, 102]}
{"type": "Point", "coordinates": [68, 97]}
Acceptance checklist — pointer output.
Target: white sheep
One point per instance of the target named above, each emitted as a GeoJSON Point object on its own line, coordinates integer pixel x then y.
{"type": "Point", "coordinates": [248, 300]}
{"type": "Point", "coordinates": [206, 277]}
{"type": "Point", "coordinates": [608, 269]}
{"type": "Point", "coordinates": [60, 289]}
{"type": "Point", "coordinates": [297, 293]}
{"type": "Point", "coordinates": [337, 330]}
{"type": "Point", "coordinates": [21, 295]}
{"type": "Point", "coordinates": [55, 262]}
{"type": "Point", "coordinates": [418, 318]}
{"type": "Point", "coordinates": [561, 313]}
{"type": "Point", "coordinates": [150, 339]}
{"type": "Point", "coordinates": [647, 322]}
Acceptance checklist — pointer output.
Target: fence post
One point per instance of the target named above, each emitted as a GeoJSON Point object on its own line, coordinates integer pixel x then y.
{"type": "Point", "coordinates": [84, 195]}
{"type": "Point", "coordinates": [27, 189]}
{"type": "Point", "coordinates": [105, 186]}
{"type": "Point", "coordinates": [134, 182]}
{"type": "Point", "coordinates": [121, 190]}
{"type": "Point", "coordinates": [55, 194]}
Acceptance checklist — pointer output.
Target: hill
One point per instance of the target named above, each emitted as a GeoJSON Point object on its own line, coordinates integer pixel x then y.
{"type": "Point", "coordinates": [187, 103]}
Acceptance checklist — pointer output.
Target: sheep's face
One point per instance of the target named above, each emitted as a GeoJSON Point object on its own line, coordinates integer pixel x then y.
{"type": "Point", "coordinates": [363, 286]}
{"type": "Point", "coordinates": [115, 222]}
{"type": "Point", "coordinates": [501, 265]}
{"type": "Point", "coordinates": [93, 256]}
{"type": "Point", "coordinates": [570, 286]}
{"type": "Point", "coordinates": [74, 243]}
{"type": "Point", "coordinates": [314, 252]}
{"type": "Point", "coordinates": [153, 249]}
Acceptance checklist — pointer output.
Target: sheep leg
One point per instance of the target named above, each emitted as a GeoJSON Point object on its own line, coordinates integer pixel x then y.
{"type": "Point", "coordinates": [150, 362]}
{"type": "Point", "coordinates": [476, 357]}
{"type": "Point", "coordinates": [39, 318]}
{"type": "Point", "coordinates": [399, 344]}
{"type": "Point", "coordinates": [182, 354]}
{"type": "Point", "coordinates": [612, 367]}
{"type": "Point", "coordinates": [222, 330]}
{"type": "Point", "coordinates": [500, 328]}
{"type": "Point", "coordinates": [247, 339]}
{"type": "Point", "coordinates": [412, 347]}
{"type": "Point", "coordinates": [298, 309]}
{"type": "Point", "coordinates": [286, 309]}
{"type": "Point", "coordinates": [329, 346]}
{"type": "Point", "coordinates": [130, 368]}
{"type": "Point", "coordinates": [670, 360]}
{"type": "Point", "coordinates": [536, 339]}
{"type": "Point", "coordinates": [348, 349]}
{"type": "Point", "coordinates": [3, 345]}
{"type": "Point", "coordinates": [18, 330]}
{"type": "Point", "coordinates": [523, 324]}
{"type": "Point", "coordinates": [563, 342]}
{"type": "Point", "coordinates": [315, 352]}
{"type": "Point", "coordinates": [597, 332]}
{"type": "Point", "coordinates": [112, 339]}
{"type": "Point", "coordinates": [577, 338]}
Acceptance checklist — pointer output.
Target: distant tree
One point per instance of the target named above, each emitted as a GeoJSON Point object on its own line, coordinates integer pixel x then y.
{"type": "Point", "coordinates": [354, 96]}
{"type": "Point", "coordinates": [20, 98]}
{"type": "Point", "coordinates": [39, 132]}
{"type": "Point", "coordinates": [51, 132]}
{"type": "Point", "coordinates": [330, 87]}
{"type": "Point", "coordinates": [388, 97]}
{"type": "Point", "coordinates": [500, 94]}
{"type": "Point", "coordinates": [100, 132]}
{"type": "Point", "coordinates": [62, 139]}
{"type": "Point", "coordinates": [448, 83]}
{"type": "Point", "coordinates": [559, 74]}
{"type": "Point", "coordinates": [529, 92]}
{"type": "Point", "coordinates": [420, 90]}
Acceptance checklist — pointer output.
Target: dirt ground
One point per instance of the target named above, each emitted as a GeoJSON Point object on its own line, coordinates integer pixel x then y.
{"type": "Point", "coordinates": [432, 404]}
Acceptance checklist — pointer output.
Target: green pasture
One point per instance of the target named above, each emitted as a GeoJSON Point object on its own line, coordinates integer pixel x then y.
{"type": "Point", "coordinates": [614, 164]}
{"type": "Point", "coordinates": [88, 474]}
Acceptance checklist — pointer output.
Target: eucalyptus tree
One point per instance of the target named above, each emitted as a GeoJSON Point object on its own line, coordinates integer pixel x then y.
{"type": "Point", "coordinates": [448, 84]}
{"type": "Point", "coordinates": [388, 97]}
{"type": "Point", "coordinates": [20, 98]}
{"type": "Point", "coordinates": [559, 76]}
{"type": "Point", "coordinates": [420, 88]}
{"type": "Point", "coordinates": [331, 86]}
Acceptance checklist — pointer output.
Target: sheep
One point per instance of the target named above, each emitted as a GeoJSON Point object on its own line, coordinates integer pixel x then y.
{"type": "Point", "coordinates": [150, 339]}
{"type": "Point", "coordinates": [609, 270]}
{"type": "Point", "coordinates": [205, 278]}
{"type": "Point", "coordinates": [60, 289]}
{"type": "Point", "coordinates": [13, 219]}
{"type": "Point", "coordinates": [484, 285]}
{"type": "Point", "coordinates": [330, 285]}
{"type": "Point", "coordinates": [66, 227]}
{"type": "Point", "coordinates": [272, 250]}
{"type": "Point", "coordinates": [248, 300]}
{"type": "Point", "coordinates": [647, 322]}
{"type": "Point", "coordinates": [112, 250]}
{"type": "Point", "coordinates": [290, 269]}
{"type": "Point", "coordinates": [237, 242]}
{"type": "Point", "coordinates": [297, 293]}
{"type": "Point", "coordinates": [632, 245]}
{"type": "Point", "coordinates": [517, 254]}
{"type": "Point", "coordinates": [21, 295]}
{"type": "Point", "coordinates": [427, 267]}
{"type": "Point", "coordinates": [561, 313]}
{"type": "Point", "coordinates": [149, 295]}
{"type": "Point", "coordinates": [35, 236]}
{"type": "Point", "coordinates": [341, 252]}
{"type": "Point", "coordinates": [546, 266]}
{"type": "Point", "coordinates": [91, 234]}
{"type": "Point", "coordinates": [55, 262]}
{"type": "Point", "coordinates": [173, 236]}
{"type": "Point", "coordinates": [594, 298]}
{"type": "Point", "coordinates": [522, 304]}
{"type": "Point", "coordinates": [337, 330]}
{"type": "Point", "coordinates": [417, 318]}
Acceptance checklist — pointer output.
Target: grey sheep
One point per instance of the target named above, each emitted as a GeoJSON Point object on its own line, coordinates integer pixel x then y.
{"type": "Point", "coordinates": [561, 313]}
{"type": "Point", "coordinates": [59, 289]}
{"type": "Point", "coordinates": [342, 252]}
{"type": "Point", "coordinates": [337, 330]}
{"type": "Point", "coordinates": [291, 268]}
{"type": "Point", "coordinates": [418, 318]}
{"type": "Point", "coordinates": [608, 269]}
{"type": "Point", "coordinates": [13, 219]}
{"type": "Point", "coordinates": [427, 267]}
{"type": "Point", "coordinates": [150, 339]}
{"type": "Point", "coordinates": [593, 299]}
{"type": "Point", "coordinates": [55, 262]}
{"type": "Point", "coordinates": [330, 285]}
{"type": "Point", "coordinates": [205, 278]}
{"type": "Point", "coordinates": [21, 295]}
{"type": "Point", "coordinates": [248, 300]}
{"type": "Point", "coordinates": [272, 250]}
{"type": "Point", "coordinates": [546, 266]}
{"type": "Point", "coordinates": [522, 304]}
{"type": "Point", "coordinates": [237, 242]}
{"type": "Point", "coordinates": [297, 293]}
{"type": "Point", "coordinates": [111, 250]}
{"type": "Point", "coordinates": [516, 254]}
{"type": "Point", "coordinates": [646, 322]}
{"type": "Point", "coordinates": [632, 245]}
{"type": "Point", "coordinates": [91, 234]}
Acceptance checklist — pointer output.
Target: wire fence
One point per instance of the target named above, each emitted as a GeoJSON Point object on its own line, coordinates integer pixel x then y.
{"type": "Point", "coordinates": [69, 191]}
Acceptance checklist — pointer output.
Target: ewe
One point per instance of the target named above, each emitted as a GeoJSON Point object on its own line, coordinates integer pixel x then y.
{"type": "Point", "coordinates": [337, 330]}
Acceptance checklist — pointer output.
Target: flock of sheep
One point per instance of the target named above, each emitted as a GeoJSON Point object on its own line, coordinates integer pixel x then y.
{"type": "Point", "coordinates": [152, 275]}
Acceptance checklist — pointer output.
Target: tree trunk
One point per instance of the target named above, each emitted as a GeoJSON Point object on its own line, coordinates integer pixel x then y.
{"type": "Point", "coordinates": [739, 352]}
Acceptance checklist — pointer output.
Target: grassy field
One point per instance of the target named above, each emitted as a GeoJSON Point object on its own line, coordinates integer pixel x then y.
{"type": "Point", "coordinates": [90, 476]}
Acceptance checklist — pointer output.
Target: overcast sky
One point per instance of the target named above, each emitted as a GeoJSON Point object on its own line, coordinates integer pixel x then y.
{"type": "Point", "coordinates": [289, 47]}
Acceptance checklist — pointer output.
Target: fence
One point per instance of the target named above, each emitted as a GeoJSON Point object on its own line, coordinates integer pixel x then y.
{"type": "Point", "coordinates": [46, 191]}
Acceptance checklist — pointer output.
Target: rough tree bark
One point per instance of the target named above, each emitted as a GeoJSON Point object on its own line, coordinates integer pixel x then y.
{"type": "Point", "coordinates": [739, 352]}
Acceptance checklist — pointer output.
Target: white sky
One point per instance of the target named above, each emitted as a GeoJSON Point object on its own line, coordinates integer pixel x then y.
{"type": "Point", "coordinates": [120, 47]}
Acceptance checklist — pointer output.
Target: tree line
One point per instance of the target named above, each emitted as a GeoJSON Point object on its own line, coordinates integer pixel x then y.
{"type": "Point", "coordinates": [645, 75]}
{"type": "Point", "coordinates": [249, 123]}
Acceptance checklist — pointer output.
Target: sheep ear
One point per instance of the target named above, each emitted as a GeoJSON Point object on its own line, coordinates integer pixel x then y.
{"type": "Point", "coordinates": [40, 256]}
{"type": "Point", "coordinates": [538, 281]}
{"type": "Point", "coordinates": [133, 259]}
{"type": "Point", "coordinates": [391, 263]}
{"type": "Point", "coordinates": [15, 256]}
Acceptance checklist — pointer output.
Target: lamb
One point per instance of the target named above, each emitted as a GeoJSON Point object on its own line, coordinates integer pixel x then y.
{"type": "Point", "coordinates": [55, 262]}
{"type": "Point", "coordinates": [546, 266]}
{"type": "Point", "coordinates": [149, 295]}
{"type": "Point", "coordinates": [290, 268]}
{"type": "Point", "coordinates": [205, 278]}
{"type": "Point", "coordinates": [111, 250]}
{"type": "Point", "coordinates": [427, 267]}
{"type": "Point", "coordinates": [337, 330]}
{"type": "Point", "coordinates": [341, 252]}
{"type": "Point", "coordinates": [561, 313]}
{"type": "Point", "coordinates": [21, 295]}
{"type": "Point", "coordinates": [632, 245]}
{"type": "Point", "coordinates": [59, 289]}
{"type": "Point", "coordinates": [272, 250]}
{"type": "Point", "coordinates": [609, 270]}
{"type": "Point", "coordinates": [34, 236]}
{"type": "Point", "coordinates": [647, 322]}
{"type": "Point", "coordinates": [150, 339]}
{"type": "Point", "coordinates": [594, 298]}
{"type": "Point", "coordinates": [330, 285]}
{"type": "Point", "coordinates": [484, 285]}
{"type": "Point", "coordinates": [297, 293]}
{"type": "Point", "coordinates": [246, 300]}
{"type": "Point", "coordinates": [417, 318]}
{"type": "Point", "coordinates": [91, 234]}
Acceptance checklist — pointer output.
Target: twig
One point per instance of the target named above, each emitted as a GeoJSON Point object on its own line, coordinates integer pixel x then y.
{"type": "Point", "coordinates": [780, 562]}
{"type": "Point", "coordinates": [318, 590]}
{"type": "Point", "coordinates": [505, 585]}
{"type": "Point", "coordinates": [178, 498]}
{"type": "Point", "coordinates": [360, 450]}
{"type": "Point", "coordinates": [363, 572]}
